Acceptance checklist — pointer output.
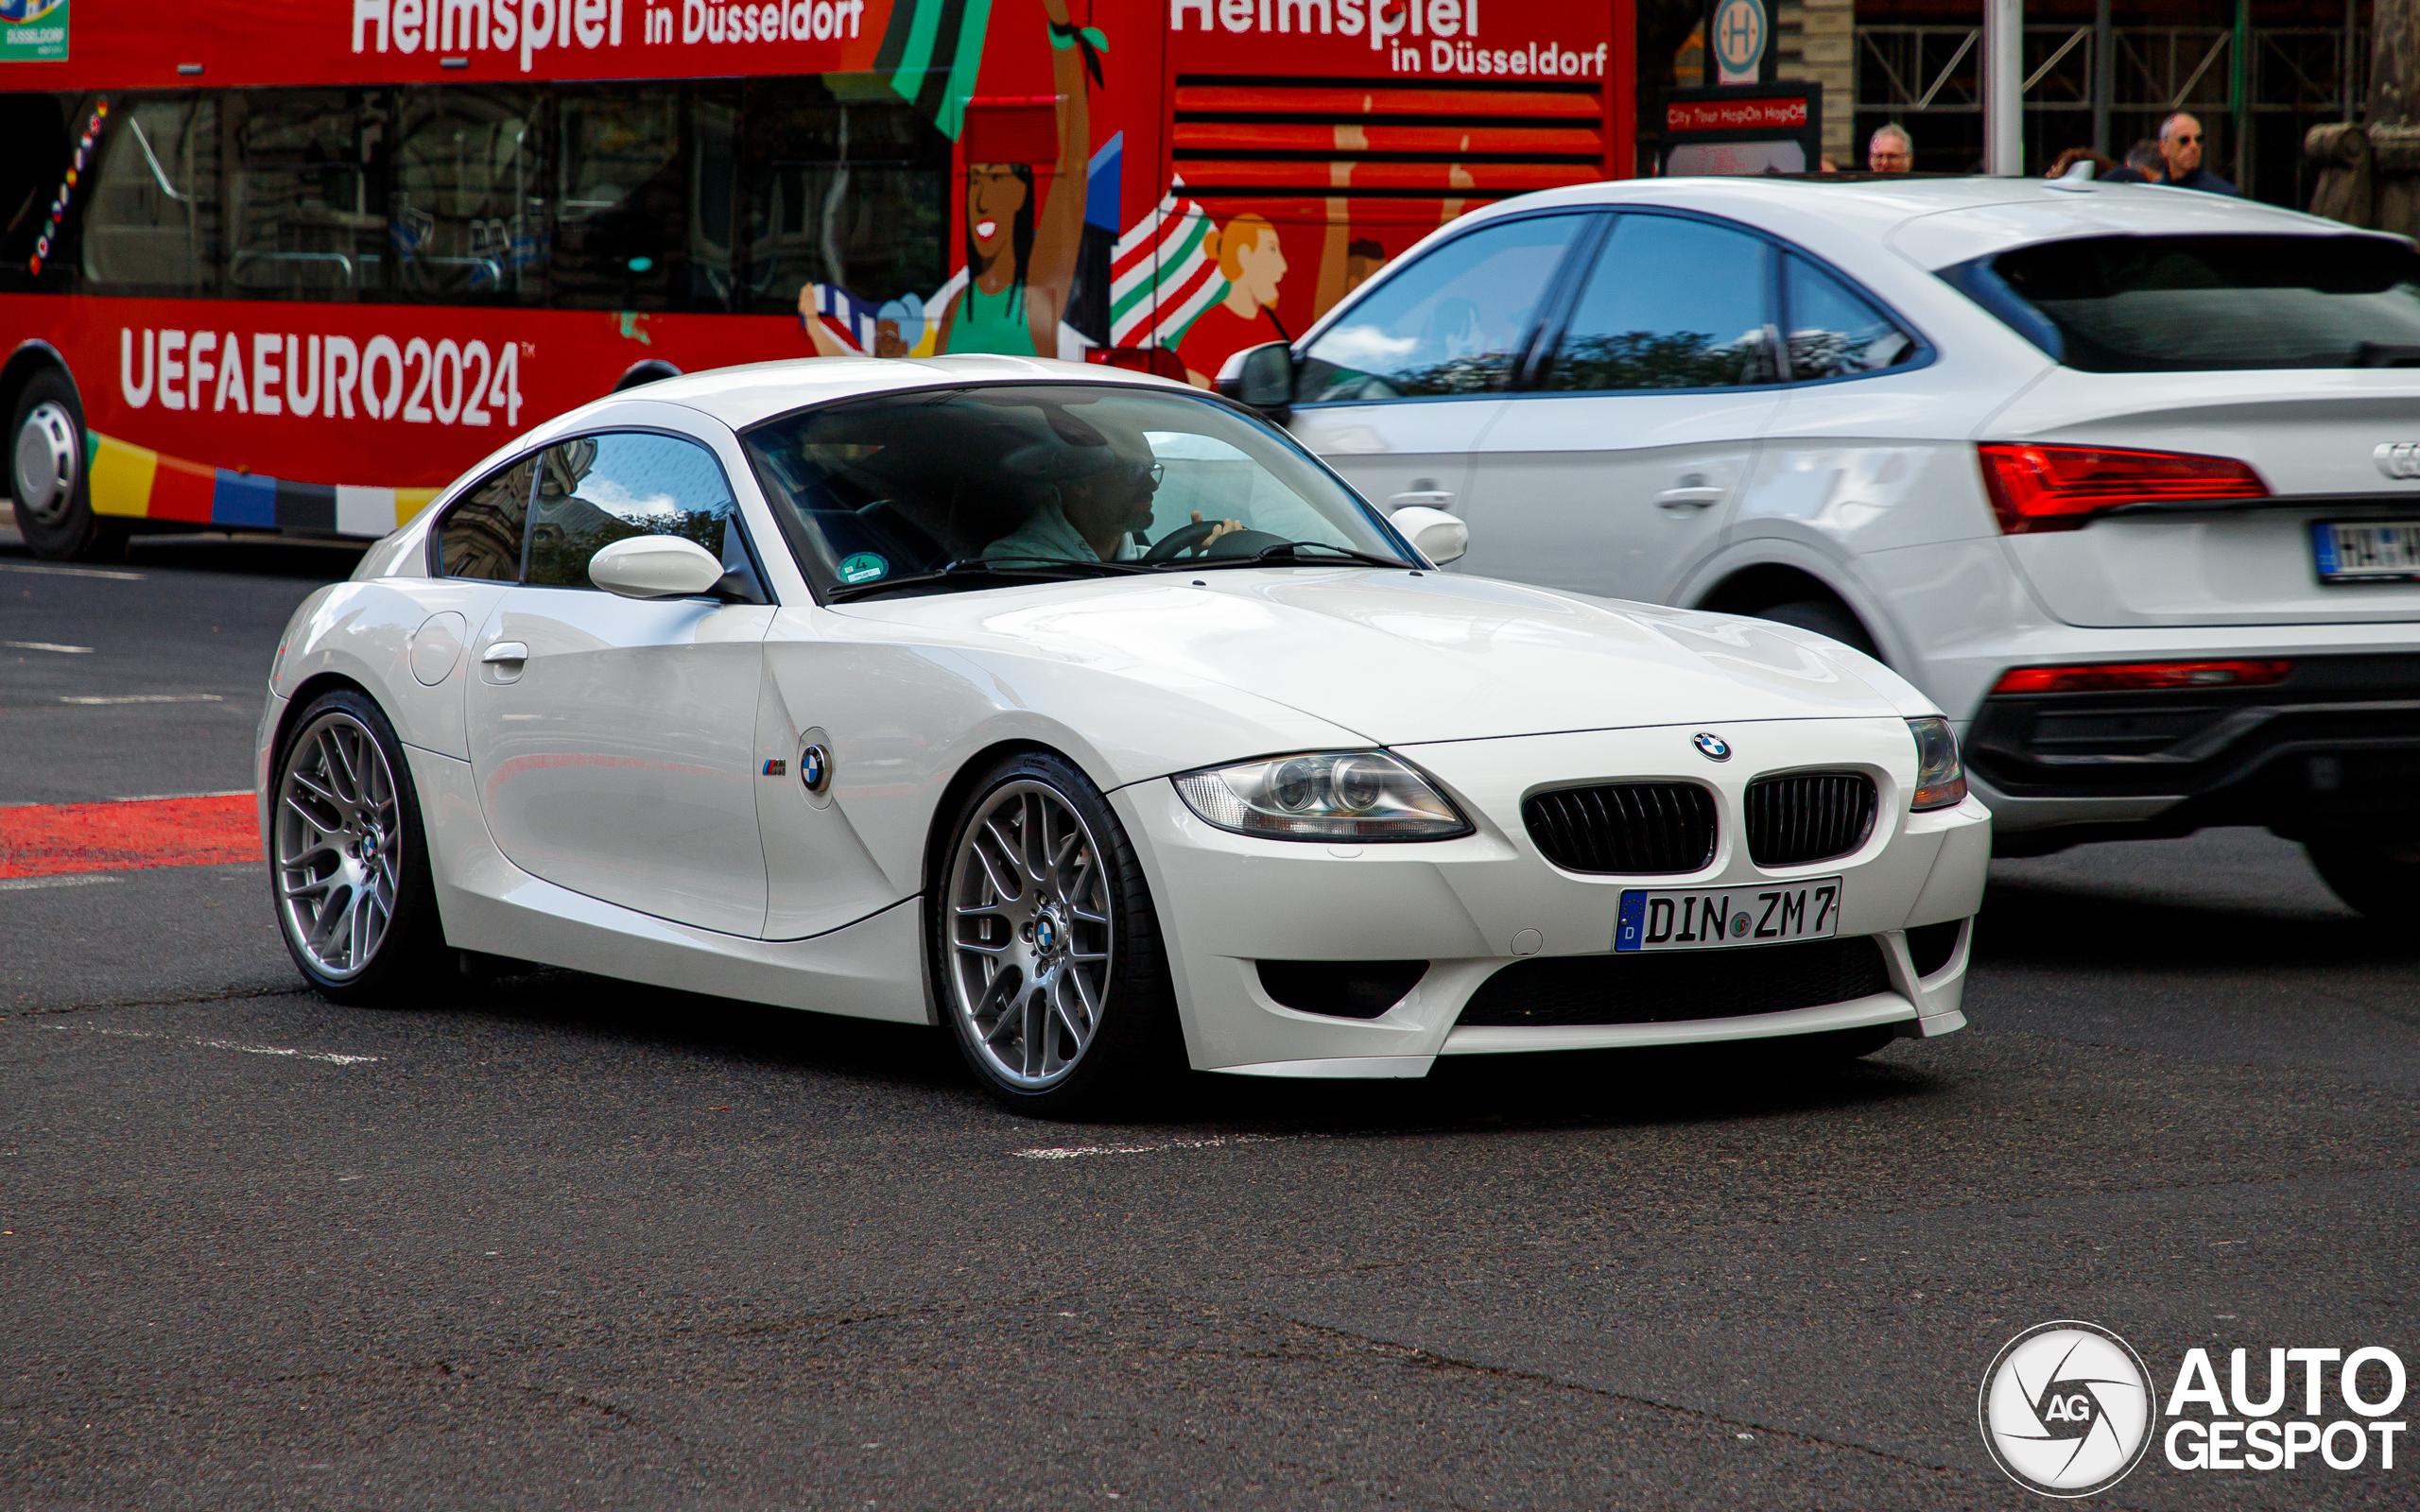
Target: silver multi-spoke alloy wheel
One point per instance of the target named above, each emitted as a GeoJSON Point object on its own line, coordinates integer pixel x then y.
{"type": "Point", "coordinates": [45, 462]}
{"type": "Point", "coordinates": [339, 838]}
{"type": "Point", "coordinates": [1029, 935]}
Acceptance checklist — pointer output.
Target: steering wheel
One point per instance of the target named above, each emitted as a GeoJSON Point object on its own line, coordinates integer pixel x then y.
{"type": "Point", "coordinates": [1192, 537]}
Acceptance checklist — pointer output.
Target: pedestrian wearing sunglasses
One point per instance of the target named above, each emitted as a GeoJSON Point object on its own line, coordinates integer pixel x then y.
{"type": "Point", "coordinates": [2180, 147]}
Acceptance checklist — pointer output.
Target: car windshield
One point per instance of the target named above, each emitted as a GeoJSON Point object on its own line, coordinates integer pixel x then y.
{"type": "Point", "coordinates": [1046, 479]}
{"type": "Point", "coordinates": [2185, 303]}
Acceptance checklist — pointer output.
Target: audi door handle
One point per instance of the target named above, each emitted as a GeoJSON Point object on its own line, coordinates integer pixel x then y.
{"type": "Point", "coordinates": [1425, 498]}
{"type": "Point", "coordinates": [1689, 498]}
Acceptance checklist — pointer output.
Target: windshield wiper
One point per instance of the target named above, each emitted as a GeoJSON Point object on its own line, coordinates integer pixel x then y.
{"type": "Point", "coordinates": [1294, 551]}
{"type": "Point", "coordinates": [970, 570]}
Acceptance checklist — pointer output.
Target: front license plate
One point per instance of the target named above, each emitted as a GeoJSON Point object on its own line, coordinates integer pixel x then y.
{"type": "Point", "coordinates": [2386, 551]}
{"type": "Point", "coordinates": [1700, 918]}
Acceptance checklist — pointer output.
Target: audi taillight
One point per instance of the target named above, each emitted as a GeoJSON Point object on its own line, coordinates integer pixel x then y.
{"type": "Point", "coordinates": [2036, 488]}
{"type": "Point", "coordinates": [2122, 676]}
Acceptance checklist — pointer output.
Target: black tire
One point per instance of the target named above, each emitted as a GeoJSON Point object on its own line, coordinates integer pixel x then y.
{"type": "Point", "coordinates": [53, 498]}
{"type": "Point", "coordinates": [1824, 617]}
{"type": "Point", "coordinates": [409, 955]}
{"type": "Point", "coordinates": [645, 371]}
{"type": "Point", "coordinates": [2379, 879]}
{"type": "Point", "coordinates": [1135, 1042]}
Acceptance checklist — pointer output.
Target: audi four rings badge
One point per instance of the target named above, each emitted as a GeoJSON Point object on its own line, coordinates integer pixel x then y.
{"type": "Point", "coordinates": [2398, 459]}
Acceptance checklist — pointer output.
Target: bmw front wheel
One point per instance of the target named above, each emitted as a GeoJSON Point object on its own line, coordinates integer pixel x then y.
{"type": "Point", "coordinates": [1045, 950]}
{"type": "Point", "coordinates": [348, 857]}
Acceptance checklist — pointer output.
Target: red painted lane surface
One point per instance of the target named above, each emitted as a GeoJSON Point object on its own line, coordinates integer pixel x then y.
{"type": "Point", "coordinates": [46, 839]}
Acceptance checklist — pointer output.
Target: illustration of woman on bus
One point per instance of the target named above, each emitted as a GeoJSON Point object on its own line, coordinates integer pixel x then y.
{"type": "Point", "coordinates": [1021, 258]}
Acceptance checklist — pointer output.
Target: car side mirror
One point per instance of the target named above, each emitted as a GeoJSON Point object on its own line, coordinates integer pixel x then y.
{"type": "Point", "coordinates": [1436, 535]}
{"type": "Point", "coordinates": [655, 567]}
{"type": "Point", "coordinates": [1261, 376]}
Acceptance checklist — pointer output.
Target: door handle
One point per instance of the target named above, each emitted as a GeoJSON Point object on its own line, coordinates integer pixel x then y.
{"type": "Point", "coordinates": [1425, 498]}
{"type": "Point", "coordinates": [1689, 498]}
{"type": "Point", "coordinates": [506, 653]}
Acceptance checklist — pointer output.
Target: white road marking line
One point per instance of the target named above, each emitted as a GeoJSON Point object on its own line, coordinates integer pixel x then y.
{"type": "Point", "coordinates": [162, 798]}
{"type": "Point", "coordinates": [1078, 1152]}
{"type": "Point", "coordinates": [147, 697]}
{"type": "Point", "coordinates": [83, 879]}
{"type": "Point", "coordinates": [48, 645]}
{"type": "Point", "coordinates": [69, 571]}
{"type": "Point", "coordinates": [329, 1057]}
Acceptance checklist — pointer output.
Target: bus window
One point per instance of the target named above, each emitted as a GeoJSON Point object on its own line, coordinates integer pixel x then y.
{"type": "Point", "coordinates": [714, 131]}
{"type": "Point", "coordinates": [620, 210]}
{"type": "Point", "coordinates": [298, 209]}
{"type": "Point", "coordinates": [152, 219]}
{"type": "Point", "coordinates": [35, 128]}
{"type": "Point", "coordinates": [852, 194]}
{"type": "Point", "coordinates": [469, 222]}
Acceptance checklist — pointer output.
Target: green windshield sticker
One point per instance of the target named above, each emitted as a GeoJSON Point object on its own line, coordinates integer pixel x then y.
{"type": "Point", "coordinates": [862, 567]}
{"type": "Point", "coordinates": [33, 31]}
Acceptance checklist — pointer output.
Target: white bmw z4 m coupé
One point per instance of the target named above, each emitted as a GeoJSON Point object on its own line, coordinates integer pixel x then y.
{"type": "Point", "coordinates": [1094, 718]}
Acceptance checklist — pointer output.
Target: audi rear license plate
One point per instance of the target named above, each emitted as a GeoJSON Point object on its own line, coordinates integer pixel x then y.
{"type": "Point", "coordinates": [2370, 552]}
{"type": "Point", "coordinates": [1701, 919]}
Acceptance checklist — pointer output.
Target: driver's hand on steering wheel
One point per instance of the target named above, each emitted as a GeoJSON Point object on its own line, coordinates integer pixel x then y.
{"type": "Point", "coordinates": [1222, 527]}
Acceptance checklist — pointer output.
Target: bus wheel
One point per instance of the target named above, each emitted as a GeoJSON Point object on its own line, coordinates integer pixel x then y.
{"type": "Point", "coordinates": [46, 476]}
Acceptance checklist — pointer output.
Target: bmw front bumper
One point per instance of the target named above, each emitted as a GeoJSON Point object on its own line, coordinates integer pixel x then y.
{"type": "Point", "coordinates": [1474, 906]}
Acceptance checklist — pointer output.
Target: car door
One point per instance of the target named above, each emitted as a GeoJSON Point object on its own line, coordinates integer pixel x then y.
{"type": "Point", "coordinates": [1397, 390]}
{"type": "Point", "coordinates": [1616, 469]}
{"type": "Point", "coordinates": [1867, 456]}
{"type": "Point", "coordinates": [613, 739]}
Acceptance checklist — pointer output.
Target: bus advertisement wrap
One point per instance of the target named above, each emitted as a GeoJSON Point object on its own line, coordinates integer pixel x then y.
{"type": "Point", "coordinates": [33, 30]}
{"type": "Point", "coordinates": [304, 278]}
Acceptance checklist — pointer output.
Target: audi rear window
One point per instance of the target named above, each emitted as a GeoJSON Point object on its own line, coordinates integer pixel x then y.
{"type": "Point", "coordinates": [2200, 303]}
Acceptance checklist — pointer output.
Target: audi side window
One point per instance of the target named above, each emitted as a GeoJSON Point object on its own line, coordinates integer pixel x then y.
{"type": "Point", "coordinates": [597, 489]}
{"type": "Point", "coordinates": [1671, 304]}
{"type": "Point", "coordinates": [1834, 330]}
{"type": "Point", "coordinates": [480, 535]}
{"type": "Point", "coordinates": [1456, 321]}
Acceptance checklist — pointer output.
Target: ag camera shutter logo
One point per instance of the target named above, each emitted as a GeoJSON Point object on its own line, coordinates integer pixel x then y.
{"type": "Point", "coordinates": [2066, 1409]}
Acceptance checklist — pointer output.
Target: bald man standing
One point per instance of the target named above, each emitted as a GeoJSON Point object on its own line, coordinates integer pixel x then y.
{"type": "Point", "coordinates": [2180, 147]}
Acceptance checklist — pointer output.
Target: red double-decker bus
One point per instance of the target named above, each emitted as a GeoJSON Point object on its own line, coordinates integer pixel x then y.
{"type": "Point", "coordinates": [292, 265]}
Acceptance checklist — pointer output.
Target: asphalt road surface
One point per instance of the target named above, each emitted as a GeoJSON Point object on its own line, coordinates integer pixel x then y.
{"type": "Point", "coordinates": [565, 1242]}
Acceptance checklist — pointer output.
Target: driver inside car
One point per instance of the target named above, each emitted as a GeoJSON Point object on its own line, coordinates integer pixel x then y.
{"type": "Point", "coordinates": [1098, 502]}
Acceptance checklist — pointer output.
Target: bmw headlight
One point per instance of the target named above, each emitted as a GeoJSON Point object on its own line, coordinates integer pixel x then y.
{"type": "Point", "coordinates": [1941, 782]}
{"type": "Point", "coordinates": [1363, 795]}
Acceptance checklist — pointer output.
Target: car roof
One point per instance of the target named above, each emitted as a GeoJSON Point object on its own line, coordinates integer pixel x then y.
{"type": "Point", "coordinates": [1937, 222]}
{"type": "Point", "coordinates": [743, 395]}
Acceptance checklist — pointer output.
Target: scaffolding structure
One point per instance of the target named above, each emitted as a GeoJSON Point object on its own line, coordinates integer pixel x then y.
{"type": "Point", "coordinates": [2260, 82]}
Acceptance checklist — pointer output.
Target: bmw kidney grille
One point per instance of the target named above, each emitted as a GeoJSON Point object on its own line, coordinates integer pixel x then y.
{"type": "Point", "coordinates": [1634, 829]}
{"type": "Point", "coordinates": [1808, 817]}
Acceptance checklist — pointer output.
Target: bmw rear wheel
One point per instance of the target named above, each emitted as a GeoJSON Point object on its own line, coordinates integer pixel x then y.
{"type": "Point", "coordinates": [1046, 953]}
{"type": "Point", "coordinates": [348, 858]}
